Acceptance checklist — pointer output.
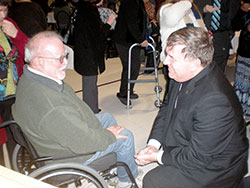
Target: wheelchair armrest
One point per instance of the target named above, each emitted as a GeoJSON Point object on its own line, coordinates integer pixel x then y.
{"type": "Point", "coordinates": [9, 97]}
{"type": "Point", "coordinates": [99, 164]}
{"type": "Point", "coordinates": [38, 162]}
{"type": "Point", "coordinates": [104, 162]}
{"type": "Point", "coordinates": [43, 159]}
{"type": "Point", "coordinates": [7, 123]}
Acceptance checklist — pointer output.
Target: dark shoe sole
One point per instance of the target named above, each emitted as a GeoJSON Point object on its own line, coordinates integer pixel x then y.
{"type": "Point", "coordinates": [132, 96]}
{"type": "Point", "coordinates": [124, 100]}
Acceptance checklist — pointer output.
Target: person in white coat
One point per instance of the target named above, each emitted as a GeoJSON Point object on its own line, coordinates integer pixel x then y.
{"type": "Point", "coordinates": [174, 15]}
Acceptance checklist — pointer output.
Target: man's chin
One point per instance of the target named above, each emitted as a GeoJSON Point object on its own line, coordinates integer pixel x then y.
{"type": "Point", "coordinates": [61, 76]}
{"type": "Point", "coordinates": [170, 75]}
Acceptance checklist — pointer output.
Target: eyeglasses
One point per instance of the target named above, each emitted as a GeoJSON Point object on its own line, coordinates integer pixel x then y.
{"type": "Point", "coordinates": [60, 59]}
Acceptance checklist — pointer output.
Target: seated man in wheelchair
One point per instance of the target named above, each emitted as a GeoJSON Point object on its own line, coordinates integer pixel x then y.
{"type": "Point", "coordinates": [56, 121]}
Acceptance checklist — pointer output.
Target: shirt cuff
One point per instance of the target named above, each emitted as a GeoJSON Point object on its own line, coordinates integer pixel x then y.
{"type": "Point", "coordinates": [159, 157]}
{"type": "Point", "coordinates": [155, 143]}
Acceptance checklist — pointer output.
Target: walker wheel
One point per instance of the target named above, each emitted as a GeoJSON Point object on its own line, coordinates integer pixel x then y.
{"type": "Point", "coordinates": [158, 103]}
{"type": "Point", "coordinates": [159, 89]}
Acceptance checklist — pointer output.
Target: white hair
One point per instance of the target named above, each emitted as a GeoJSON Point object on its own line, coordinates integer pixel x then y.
{"type": "Point", "coordinates": [33, 44]}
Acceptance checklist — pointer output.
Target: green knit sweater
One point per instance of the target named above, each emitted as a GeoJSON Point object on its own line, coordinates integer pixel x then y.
{"type": "Point", "coordinates": [55, 120]}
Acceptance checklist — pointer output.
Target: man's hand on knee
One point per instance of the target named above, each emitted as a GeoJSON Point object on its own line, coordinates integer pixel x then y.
{"type": "Point", "coordinates": [116, 130]}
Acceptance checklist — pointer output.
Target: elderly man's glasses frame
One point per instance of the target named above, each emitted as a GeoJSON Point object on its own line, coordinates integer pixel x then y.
{"type": "Point", "coordinates": [60, 59]}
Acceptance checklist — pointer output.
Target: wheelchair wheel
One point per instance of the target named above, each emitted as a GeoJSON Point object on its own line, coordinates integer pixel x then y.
{"type": "Point", "coordinates": [69, 175]}
{"type": "Point", "coordinates": [20, 159]}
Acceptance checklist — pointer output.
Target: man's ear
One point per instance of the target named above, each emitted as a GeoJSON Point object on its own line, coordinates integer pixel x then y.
{"type": "Point", "coordinates": [197, 62]}
{"type": "Point", "coordinates": [37, 63]}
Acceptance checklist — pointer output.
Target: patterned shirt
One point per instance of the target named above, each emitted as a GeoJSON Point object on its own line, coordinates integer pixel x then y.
{"type": "Point", "coordinates": [8, 69]}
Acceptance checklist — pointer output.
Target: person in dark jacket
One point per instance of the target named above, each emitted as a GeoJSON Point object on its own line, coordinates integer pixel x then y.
{"type": "Point", "coordinates": [29, 16]}
{"type": "Point", "coordinates": [223, 35]}
{"type": "Point", "coordinates": [242, 74]}
{"type": "Point", "coordinates": [130, 28]}
{"type": "Point", "coordinates": [199, 127]}
{"type": "Point", "coordinates": [89, 38]}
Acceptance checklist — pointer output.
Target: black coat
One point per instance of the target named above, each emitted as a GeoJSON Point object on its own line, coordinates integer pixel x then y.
{"type": "Point", "coordinates": [131, 23]}
{"type": "Point", "coordinates": [29, 16]}
{"type": "Point", "coordinates": [89, 38]}
{"type": "Point", "coordinates": [240, 22]}
{"type": "Point", "coordinates": [204, 137]}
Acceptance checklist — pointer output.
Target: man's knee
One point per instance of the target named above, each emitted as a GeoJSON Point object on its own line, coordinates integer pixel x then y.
{"type": "Point", "coordinates": [148, 180]}
{"type": "Point", "coordinates": [107, 115]}
{"type": "Point", "coordinates": [106, 119]}
{"type": "Point", "coordinates": [129, 141]}
{"type": "Point", "coordinates": [156, 178]}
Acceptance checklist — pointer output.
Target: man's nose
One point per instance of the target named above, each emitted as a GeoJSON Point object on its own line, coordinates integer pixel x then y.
{"type": "Point", "coordinates": [65, 61]}
{"type": "Point", "coordinates": [166, 61]}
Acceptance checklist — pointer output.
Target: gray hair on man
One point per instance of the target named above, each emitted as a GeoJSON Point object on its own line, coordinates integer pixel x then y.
{"type": "Point", "coordinates": [198, 43]}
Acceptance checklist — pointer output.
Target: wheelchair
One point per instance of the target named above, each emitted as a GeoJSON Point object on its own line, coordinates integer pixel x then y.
{"type": "Point", "coordinates": [26, 161]}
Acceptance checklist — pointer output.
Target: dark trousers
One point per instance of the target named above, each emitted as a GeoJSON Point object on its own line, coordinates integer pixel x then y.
{"type": "Point", "coordinates": [221, 41]}
{"type": "Point", "coordinates": [221, 60]}
{"type": "Point", "coordinates": [170, 177]}
{"type": "Point", "coordinates": [90, 92]}
{"type": "Point", "coordinates": [5, 113]}
{"type": "Point", "coordinates": [135, 67]}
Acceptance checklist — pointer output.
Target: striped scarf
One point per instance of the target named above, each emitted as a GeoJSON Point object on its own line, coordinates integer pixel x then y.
{"type": "Point", "coordinates": [198, 17]}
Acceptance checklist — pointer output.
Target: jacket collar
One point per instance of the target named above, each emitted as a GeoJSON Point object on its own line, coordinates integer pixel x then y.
{"type": "Point", "coordinates": [194, 81]}
{"type": "Point", "coordinates": [42, 80]}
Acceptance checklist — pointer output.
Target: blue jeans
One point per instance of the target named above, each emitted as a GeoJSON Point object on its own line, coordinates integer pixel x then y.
{"type": "Point", "coordinates": [124, 148]}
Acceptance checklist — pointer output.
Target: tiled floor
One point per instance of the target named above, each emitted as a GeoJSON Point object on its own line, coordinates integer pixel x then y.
{"type": "Point", "coordinates": [140, 118]}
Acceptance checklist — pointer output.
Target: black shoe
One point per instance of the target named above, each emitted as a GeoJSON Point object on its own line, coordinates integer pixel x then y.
{"type": "Point", "coordinates": [99, 110]}
{"type": "Point", "coordinates": [148, 71]}
{"type": "Point", "coordinates": [123, 99]}
{"type": "Point", "coordinates": [132, 96]}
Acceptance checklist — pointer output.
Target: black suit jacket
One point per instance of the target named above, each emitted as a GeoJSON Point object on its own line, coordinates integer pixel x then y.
{"type": "Point", "coordinates": [204, 137]}
{"type": "Point", "coordinates": [131, 23]}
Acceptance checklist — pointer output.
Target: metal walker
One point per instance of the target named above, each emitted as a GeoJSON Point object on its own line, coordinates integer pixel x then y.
{"type": "Point", "coordinates": [158, 88]}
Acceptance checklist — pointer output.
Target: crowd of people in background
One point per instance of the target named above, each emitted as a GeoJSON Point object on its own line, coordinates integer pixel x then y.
{"type": "Point", "coordinates": [202, 146]}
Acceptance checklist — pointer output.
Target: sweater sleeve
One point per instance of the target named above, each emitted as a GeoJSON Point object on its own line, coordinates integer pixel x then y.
{"type": "Point", "coordinates": [157, 131]}
{"type": "Point", "coordinates": [68, 129]}
{"type": "Point", "coordinates": [172, 14]}
{"type": "Point", "coordinates": [211, 134]}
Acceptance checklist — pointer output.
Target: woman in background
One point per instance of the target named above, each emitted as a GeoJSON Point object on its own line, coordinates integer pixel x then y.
{"type": "Point", "coordinates": [174, 15]}
{"type": "Point", "coordinates": [12, 42]}
{"type": "Point", "coordinates": [89, 38]}
{"type": "Point", "coordinates": [242, 74]}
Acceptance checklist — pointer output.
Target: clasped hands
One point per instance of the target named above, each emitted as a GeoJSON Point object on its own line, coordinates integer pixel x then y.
{"type": "Point", "coordinates": [146, 155]}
